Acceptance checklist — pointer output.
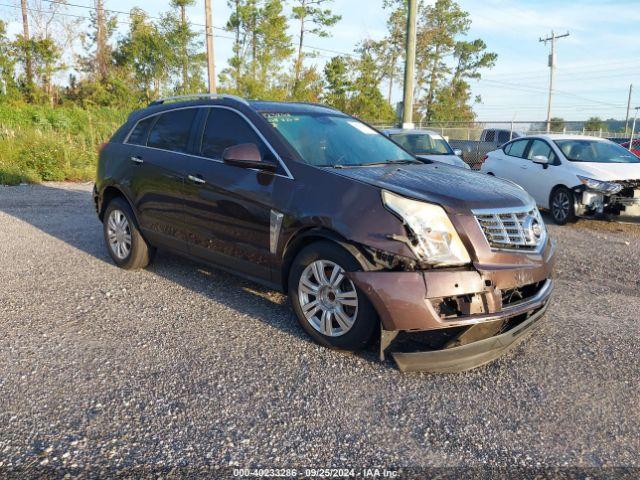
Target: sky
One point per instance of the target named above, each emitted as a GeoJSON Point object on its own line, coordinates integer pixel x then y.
{"type": "Point", "coordinates": [595, 64]}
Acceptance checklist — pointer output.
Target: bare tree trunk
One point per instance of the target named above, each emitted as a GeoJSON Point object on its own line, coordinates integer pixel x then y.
{"type": "Point", "coordinates": [394, 61]}
{"type": "Point", "coordinates": [102, 57]}
{"type": "Point", "coordinates": [254, 53]}
{"type": "Point", "coordinates": [27, 46]}
{"type": "Point", "coordinates": [239, 61]}
{"type": "Point", "coordinates": [185, 64]}
{"type": "Point", "coordinates": [298, 67]}
{"type": "Point", "coordinates": [433, 82]}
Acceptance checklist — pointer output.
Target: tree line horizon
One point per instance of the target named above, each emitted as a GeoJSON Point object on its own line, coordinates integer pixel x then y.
{"type": "Point", "coordinates": [164, 55]}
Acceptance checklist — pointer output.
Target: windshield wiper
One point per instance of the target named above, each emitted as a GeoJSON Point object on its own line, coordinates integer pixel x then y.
{"type": "Point", "coordinates": [391, 162]}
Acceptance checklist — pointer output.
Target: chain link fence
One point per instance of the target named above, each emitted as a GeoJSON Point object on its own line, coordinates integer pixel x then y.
{"type": "Point", "coordinates": [476, 139]}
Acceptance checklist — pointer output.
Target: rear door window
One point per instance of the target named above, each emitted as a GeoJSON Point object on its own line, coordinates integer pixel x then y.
{"type": "Point", "coordinates": [517, 148]}
{"type": "Point", "coordinates": [140, 132]}
{"type": "Point", "coordinates": [224, 129]}
{"type": "Point", "coordinates": [489, 135]}
{"type": "Point", "coordinates": [172, 130]}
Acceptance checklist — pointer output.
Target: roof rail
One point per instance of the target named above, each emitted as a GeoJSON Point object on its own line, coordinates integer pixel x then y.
{"type": "Point", "coordinates": [195, 96]}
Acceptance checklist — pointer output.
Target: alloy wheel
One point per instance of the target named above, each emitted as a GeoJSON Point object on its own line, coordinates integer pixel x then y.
{"type": "Point", "coordinates": [561, 206]}
{"type": "Point", "coordinates": [119, 234]}
{"type": "Point", "coordinates": [328, 299]}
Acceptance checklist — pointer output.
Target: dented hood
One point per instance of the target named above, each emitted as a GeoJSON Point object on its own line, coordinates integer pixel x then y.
{"type": "Point", "coordinates": [451, 187]}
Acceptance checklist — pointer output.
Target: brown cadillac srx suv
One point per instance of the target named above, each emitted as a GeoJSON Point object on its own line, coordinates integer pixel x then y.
{"type": "Point", "coordinates": [447, 267]}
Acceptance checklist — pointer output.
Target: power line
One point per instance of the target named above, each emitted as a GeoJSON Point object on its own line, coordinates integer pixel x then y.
{"type": "Point", "coordinates": [124, 22]}
{"type": "Point", "coordinates": [515, 86]}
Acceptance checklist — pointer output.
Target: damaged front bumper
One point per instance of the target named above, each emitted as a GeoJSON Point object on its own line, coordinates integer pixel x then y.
{"type": "Point", "coordinates": [592, 203]}
{"type": "Point", "coordinates": [477, 314]}
{"type": "Point", "coordinates": [471, 355]}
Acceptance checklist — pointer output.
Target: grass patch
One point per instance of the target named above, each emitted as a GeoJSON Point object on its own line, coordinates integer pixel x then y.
{"type": "Point", "coordinates": [39, 143]}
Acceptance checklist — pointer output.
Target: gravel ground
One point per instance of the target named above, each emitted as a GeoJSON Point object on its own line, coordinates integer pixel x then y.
{"type": "Point", "coordinates": [181, 366]}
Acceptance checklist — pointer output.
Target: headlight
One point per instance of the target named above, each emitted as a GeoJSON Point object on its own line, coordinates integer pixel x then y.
{"type": "Point", "coordinates": [433, 238]}
{"type": "Point", "coordinates": [600, 186]}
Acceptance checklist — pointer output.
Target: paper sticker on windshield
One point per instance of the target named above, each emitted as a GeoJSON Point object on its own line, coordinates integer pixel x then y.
{"type": "Point", "coordinates": [362, 127]}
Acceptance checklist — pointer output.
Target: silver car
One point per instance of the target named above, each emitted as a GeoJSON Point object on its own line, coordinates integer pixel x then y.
{"type": "Point", "coordinates": [427, 145]}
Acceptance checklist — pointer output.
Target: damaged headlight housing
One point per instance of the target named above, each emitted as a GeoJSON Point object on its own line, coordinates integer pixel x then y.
{"type": "Point", "coordinates": [433, 238]}
{"type": "Point", "coordinates": [600, 186]}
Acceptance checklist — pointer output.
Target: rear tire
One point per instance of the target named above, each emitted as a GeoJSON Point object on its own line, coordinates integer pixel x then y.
{"type": "Point", "coordinates": [126, 246]}
{"type": "Point", "coordinates": [331, 309]}
{"type": "Point", "coordinates": [562, 206]}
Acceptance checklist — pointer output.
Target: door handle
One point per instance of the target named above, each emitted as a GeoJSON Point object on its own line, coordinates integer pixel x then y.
{"type": "Point", "coordinates": [137, 160]}
{"type": "Point", "coordinates": [195, 179]}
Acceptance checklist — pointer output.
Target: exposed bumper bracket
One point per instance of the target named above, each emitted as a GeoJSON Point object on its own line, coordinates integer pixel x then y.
{"type": "Point", "coordinates": [464, 357]}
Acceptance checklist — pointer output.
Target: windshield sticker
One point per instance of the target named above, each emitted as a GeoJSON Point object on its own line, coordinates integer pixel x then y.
{"type": "Point", "coordinates": [362, 127]}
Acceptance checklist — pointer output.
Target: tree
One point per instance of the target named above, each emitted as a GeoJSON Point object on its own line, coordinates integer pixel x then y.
{"type": "Point", "coordinates": [594, 124]}
{"type": "Point", "coordinates": [442, 23]}
{"type": "Point", "coordinates": [337, 84]}
{"type": "Point", "coordinates": [274, 42]}
{"type": "Point", "coordinates": [392, 47]}
{"type": "Point", "coordinates": [557, 124]}
{"type": "Point", "coordinates": [104, 26]}
{"type": "Point", "coordinates": [185, 37]}
{"type": "Point", "coordinates": [444, 62]}
{"type": "Point", "coordinates": [8, 87]}
{"type": "Point", "coordinates": [313, 19]}
{"type": "Point", "coordinates": [261, 46]}
{"type": "Point", "coordinates": [46, 57]}
{"type": "Point", "coordinates": [470, 57]}
{"type": "Point", "coordinates": [452, 103]}
{"type": "Point", "coordinates": [26, 46]}
{"type": "Point", "coordinates": [185, 59]}
{"type": "Point", "coordinates": [99, 60]}
{"type": "Point", "coordinates": [143, 53]}
{"type": "Point", "coordinates": [366, 100]}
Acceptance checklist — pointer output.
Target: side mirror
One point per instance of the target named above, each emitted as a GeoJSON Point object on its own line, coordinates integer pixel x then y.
{"type": "Point", "coordinates": [541, 159]}
{"type": "Point", "coordinates": [246, 155]}
{"type": "Point", "coordinates": [457, 152]}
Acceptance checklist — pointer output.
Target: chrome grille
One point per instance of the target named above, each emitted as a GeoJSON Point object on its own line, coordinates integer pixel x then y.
{"type": "Point", "coordinates": [512, 229]}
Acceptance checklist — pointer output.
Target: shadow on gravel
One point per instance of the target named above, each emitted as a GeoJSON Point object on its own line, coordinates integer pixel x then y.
{"type": "Point", "coordinates": [246, 297]}
{"type": "Point", "coordinates": [69, 215]}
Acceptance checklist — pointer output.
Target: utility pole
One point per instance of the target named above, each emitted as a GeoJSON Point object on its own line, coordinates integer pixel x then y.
{"type": "Point", "coordinates": [626, 122]}
{"type": "Point", "coordinates": [211, 70]}
{"type": "Point", "coordinates": [633, 128]}
{"type": "Point", "coordinates": [409, 67]}
{"type": "Point", "coordinates": [552, 66]}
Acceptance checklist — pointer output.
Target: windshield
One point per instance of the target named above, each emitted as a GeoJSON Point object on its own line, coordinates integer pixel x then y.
{"type": "Point", "coordinates": [422, 143]}
{"type": "Point", "coordinates": [595, 151]}
{"type": "Point", "coordinates": [329, 140]}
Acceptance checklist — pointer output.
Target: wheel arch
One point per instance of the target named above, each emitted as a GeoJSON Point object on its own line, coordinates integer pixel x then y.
{"type": "Point", "coordinates": [307, 236]}
{"type": "Point", "coordinates": [554, 190]}
{"type": "Point", "coordinates": [108, 194]}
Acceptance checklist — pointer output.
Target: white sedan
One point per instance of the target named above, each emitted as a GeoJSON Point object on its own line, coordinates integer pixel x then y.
{"type": "Point", "coordinates": [571, 175]}
{"type": "Point", "coordinates": [427, 145]}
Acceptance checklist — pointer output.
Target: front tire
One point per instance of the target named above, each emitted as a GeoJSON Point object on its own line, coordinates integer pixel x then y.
{"type": "Point", "coordinates": [126, 246]}
{"type": "Point", "coordinates": [563, 206]}
{"type": "Point", "coordinates": [329, 307]}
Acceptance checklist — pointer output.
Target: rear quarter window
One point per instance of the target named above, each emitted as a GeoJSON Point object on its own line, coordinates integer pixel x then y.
{"type": "Point", "coordinates": [516, 149]}
{"type": "Point", "coordinates": [140, 132]}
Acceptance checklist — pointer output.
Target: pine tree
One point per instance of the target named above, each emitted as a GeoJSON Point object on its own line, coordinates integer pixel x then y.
{"type": "Point", "coordinates": [313, 19]}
